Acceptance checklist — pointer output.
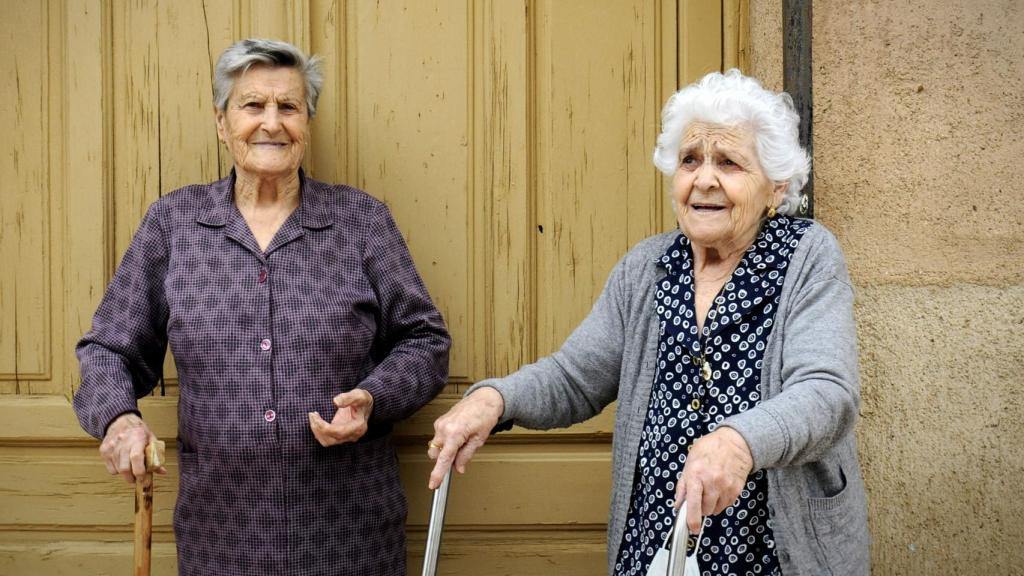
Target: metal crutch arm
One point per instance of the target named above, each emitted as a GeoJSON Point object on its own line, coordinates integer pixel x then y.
{"type": "Point", "coordinates": [680, 536]}
{"type": "Point", "coordinates": [436, 526]}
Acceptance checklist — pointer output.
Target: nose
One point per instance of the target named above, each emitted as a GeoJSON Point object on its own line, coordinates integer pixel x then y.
{"type": "Point", "coordinates": [707, 177]}
{"type": "Point", "coordinates": [271, 120]}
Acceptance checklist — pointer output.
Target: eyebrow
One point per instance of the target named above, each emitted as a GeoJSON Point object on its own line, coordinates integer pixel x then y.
{"type": "Point", "coordinates": [261, 96]}
{"type": "Point", "coordinates": [716, 148]}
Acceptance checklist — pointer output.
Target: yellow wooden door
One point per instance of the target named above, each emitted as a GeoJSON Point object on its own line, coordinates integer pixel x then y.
{"type": "Point", "coordinates": [511, 139]}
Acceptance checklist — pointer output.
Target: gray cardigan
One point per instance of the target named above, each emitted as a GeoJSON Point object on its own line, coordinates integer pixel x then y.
{"type": "Point", "coordinates": [802, 432]}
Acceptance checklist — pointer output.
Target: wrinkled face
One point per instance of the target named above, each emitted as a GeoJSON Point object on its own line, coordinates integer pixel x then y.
{"type": "Point", "coordinates": [266, 123]}
{"type": "Point", "coordinates": [719, 192]}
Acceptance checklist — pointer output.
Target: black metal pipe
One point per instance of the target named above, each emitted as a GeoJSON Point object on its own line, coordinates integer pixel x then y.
{"type": "Point", "coordinates": [796, 66]}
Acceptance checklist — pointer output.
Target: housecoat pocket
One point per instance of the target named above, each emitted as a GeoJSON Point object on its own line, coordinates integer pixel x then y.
{"type": "Point", "coordinates": [188, 475]}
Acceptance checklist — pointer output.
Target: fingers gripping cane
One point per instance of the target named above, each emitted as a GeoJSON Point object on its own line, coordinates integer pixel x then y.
{"type": "Point", "coordinates": [437, 510]}
{"type": "Point", "coordinates": [144, 508]}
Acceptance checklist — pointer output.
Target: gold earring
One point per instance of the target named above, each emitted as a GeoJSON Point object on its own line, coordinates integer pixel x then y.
{"type": "Point", "coordinates": [771, 211]}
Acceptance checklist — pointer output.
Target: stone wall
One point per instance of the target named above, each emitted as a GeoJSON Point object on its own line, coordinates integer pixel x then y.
{"type": "Point", "coordinates": [919, 165]}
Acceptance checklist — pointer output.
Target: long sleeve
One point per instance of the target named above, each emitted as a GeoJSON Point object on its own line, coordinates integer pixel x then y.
{"type": "Point", "coordinates": [121, 357]}
{"type": "Point", "coordinates": [582, 377]}
{"type": "Point", "coordinates": [820, 394]}
{"type": "Point", "coordinates": [414, 358]}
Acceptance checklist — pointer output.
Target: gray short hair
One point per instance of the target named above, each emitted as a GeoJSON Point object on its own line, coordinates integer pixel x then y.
{"type": "Point", "coordinates": [734, 99]}
{"type": "Point", "coordinates": [245, 54]}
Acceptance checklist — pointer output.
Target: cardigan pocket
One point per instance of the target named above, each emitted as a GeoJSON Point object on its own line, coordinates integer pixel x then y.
{"type": "Point", "coordinates": [834, 519]}
{"type": "Point", "coordinates": [827, 504]}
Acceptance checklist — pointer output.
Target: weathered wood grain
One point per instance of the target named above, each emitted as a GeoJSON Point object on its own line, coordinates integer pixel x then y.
{"type": "Point", "coordinates": [463, 553]}
{"type": "Point", "coordinates": [505, 485]}
{"type": "Point", "coordinates": [512, 141]}
{"type": "Point", "coordinates": [24, 203]}
{"type": "Point", "coordinates": [411, 138]}
{"type": "Point", "coordinates": [596, 118]}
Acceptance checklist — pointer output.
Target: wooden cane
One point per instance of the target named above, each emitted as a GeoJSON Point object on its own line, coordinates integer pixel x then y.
{"type": "Point", "coordinates": [144, 508]}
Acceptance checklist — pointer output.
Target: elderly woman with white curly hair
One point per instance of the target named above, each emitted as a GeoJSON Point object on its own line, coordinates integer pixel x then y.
{"type": "Point", "coordinates": [730, 347]}
{"type": "Point", "coordinates": [283, 299]}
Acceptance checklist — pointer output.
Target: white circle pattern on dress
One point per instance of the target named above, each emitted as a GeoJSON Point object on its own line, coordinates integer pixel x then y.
{"type": "Point", "coordinates": [740, 539]}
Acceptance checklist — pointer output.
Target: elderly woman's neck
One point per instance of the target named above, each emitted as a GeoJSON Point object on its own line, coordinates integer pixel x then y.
{"type": "Point", "coordinates": [254, 192]}
{"type": "Point", "coordinates": [712, 267]}
{"type": "Point", "coordinates": [716, 260]}
{"type": "Point", "coordinates": [721, 257]}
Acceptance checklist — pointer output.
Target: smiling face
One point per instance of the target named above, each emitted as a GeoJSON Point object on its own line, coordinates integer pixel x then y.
{"type": "Point", "coordinates": [266, 123]}
{"type": "Point", "coordinates": [719, 191]}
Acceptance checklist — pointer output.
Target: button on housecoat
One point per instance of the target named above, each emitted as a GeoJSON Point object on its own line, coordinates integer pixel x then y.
{"type": "Point", "coordinates": [260, 339]}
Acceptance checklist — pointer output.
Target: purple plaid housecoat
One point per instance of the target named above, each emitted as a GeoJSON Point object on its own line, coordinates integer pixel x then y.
{"type": "Point", "coordinates": [260, 339]}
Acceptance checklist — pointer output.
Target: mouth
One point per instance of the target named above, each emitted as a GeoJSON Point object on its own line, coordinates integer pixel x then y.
{"type": "Point", "coordinates": [704, 208]}
{"type": "Point", "coordinates": [271, 144]}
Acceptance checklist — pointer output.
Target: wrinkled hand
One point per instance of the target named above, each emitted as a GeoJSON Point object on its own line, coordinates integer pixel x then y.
{"type": "Point", "coordinates": [715, 473]}
{"type": "Point", "coordinates": [462, 430]}
{"type": "Point", "coordinates": [123, 449]}
{"type": "Point", "coordinates": [350, 422]}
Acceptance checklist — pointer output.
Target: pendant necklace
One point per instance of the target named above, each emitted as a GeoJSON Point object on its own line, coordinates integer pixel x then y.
{"type": "Point", "coordinates": [702, 360]}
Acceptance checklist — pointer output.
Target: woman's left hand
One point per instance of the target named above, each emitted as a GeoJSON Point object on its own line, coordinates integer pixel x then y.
{"type": "Point", "coordinates": [715, 473]}
{"type": "Point", "coordinates": [350, 422]}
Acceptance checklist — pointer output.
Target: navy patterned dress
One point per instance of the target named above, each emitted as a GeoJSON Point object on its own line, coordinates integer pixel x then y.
{"type": "Point", "coordinates": [703, 377]}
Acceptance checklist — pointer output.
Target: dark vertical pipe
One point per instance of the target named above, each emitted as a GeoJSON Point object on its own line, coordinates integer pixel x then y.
{"type": "Point", "coordinates": [796, 65]}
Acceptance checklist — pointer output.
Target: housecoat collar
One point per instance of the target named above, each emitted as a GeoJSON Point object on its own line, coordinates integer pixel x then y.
{"type": "Point", "coordinates": [218, 208]}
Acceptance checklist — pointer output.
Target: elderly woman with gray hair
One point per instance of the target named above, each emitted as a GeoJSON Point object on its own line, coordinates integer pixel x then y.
{"type": "Point", "coordinates": [730, 347]}
{"type": "Point", "coordinates": [283, 299]}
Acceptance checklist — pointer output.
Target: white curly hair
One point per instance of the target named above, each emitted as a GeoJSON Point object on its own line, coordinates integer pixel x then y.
{"type": "Point", "coordinates": [732, 99]}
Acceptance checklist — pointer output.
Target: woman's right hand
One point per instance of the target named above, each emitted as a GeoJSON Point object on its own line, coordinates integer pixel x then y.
{"type": "Point", "coordinates": [462, 430]}
{"type": "Point", "coordinates": [124, 447]}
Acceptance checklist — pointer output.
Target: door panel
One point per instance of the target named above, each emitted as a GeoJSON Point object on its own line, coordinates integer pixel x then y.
{"type": "Point", "coordinates": [511, 139]}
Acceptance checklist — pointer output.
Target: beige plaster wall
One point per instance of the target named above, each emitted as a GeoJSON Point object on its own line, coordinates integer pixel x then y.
{"type": "Point", "coordinates": [766, 42]}
{"type": "Point", "coordinates": [919, 170]}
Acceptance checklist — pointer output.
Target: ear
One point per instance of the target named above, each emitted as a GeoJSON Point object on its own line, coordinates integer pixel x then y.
{"type": "Point", "coordinates": [222, 129]}
{"type": "Point", "coordinates": [779, 192]}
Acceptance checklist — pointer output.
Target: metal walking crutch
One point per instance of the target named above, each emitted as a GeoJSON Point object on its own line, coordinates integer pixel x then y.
{"type": "Point", "coordinates": [436, 526]}
{"type": "Point", "coordinates": [677, 549]}
{"type": "Point", "coordinates": [144, 508]}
